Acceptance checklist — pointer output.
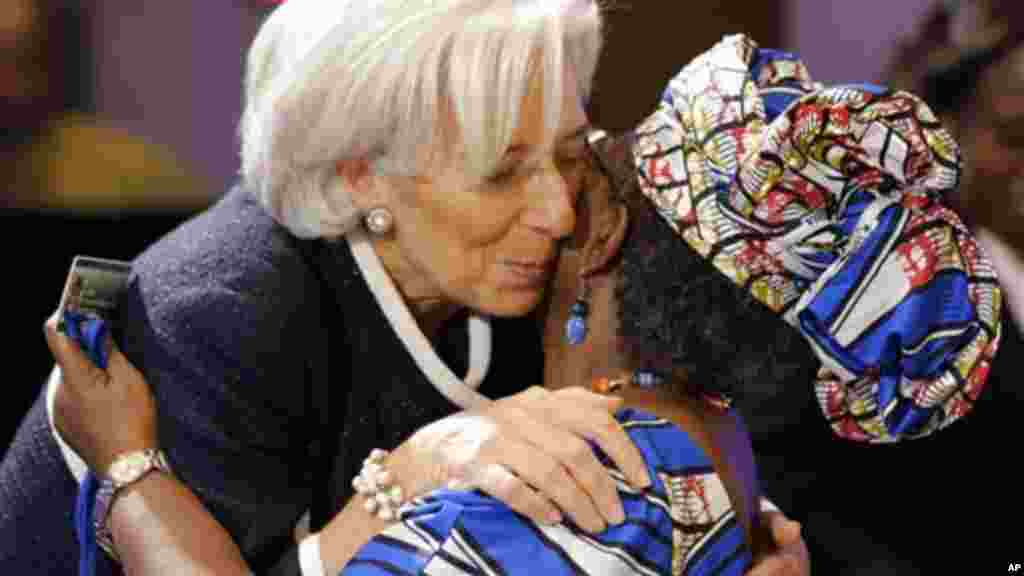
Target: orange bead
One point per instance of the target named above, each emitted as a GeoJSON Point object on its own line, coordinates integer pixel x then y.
{"type": "Point", "coordinates": [605, 385]}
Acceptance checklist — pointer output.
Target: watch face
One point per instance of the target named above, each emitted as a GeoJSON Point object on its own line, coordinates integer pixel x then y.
{"type": "Point", "coordinates": [129, 467]}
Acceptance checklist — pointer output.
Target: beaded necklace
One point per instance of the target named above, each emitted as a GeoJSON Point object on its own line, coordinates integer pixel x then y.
{"type": "Point", "coordinates": [647, 380]}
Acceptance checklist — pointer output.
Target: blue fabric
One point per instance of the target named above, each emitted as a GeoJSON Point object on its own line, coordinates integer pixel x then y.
{"type": "Point", "coordinates": [84, 506]}
{"type": "Point", "coordinates": [90, 333]}
{"type": "Point", "coordinates": [665, 531]}
{"type": "Point", "coordinates": [767, 57]}
{"type": "Point", "coordinates": [776, 102]}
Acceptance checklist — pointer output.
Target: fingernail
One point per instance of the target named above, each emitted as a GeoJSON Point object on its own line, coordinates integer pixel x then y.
{"type": "Point", "coordinates": [554, 516]}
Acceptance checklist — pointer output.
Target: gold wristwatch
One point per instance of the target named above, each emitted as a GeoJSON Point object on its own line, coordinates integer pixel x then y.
{"type": "Point", "coordinates": [127, 469]}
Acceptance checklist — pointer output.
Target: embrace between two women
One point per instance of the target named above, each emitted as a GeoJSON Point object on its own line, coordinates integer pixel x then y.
{"type": "Point", "coordinates": [718, 252]}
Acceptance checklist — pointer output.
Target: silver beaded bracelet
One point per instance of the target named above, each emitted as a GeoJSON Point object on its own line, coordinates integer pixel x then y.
{"type": "Point", "coordinates": [374, 482]}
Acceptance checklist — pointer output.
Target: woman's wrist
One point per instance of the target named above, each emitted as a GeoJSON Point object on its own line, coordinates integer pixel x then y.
{"type": "Point", "coordinates": [159, 526]}
{"type": "Point", "coordinates": [126, 471]}
{"type": "Point", "coordinates": [382, 493]}
{"type": "Point", "coordinates": [355, 525]}
{"type": "Point", "coordinates": [413, 477]}
{"type": "Point", "coordinates": [346, 533]}
{"type": "Point", "coordinates": [102, 463]}
{"type": "Point", "coordinates": [121, 517]}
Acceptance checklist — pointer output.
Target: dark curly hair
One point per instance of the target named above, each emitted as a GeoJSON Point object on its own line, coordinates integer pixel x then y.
{"type": "Point", "coordinates": [678, 313]}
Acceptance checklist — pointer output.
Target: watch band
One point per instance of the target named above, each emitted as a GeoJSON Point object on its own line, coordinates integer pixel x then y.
{"type": "Point", "coordinates": [126, 470]}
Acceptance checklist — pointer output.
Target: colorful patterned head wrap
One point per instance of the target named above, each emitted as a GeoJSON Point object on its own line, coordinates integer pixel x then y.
{"type": "Point", "coordinates": [826, 204]}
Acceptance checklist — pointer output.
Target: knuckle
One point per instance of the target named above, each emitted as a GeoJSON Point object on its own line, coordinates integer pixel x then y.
{"type": "Point", "coordinates": [464, 465]}
{"type": "Point", "coordinates": [525, 501]}
{"type": "Point", "coordinates": [516, 491]}
{"type": "Point", "coordinates": [578, 454]}
{"type": "Point", "coordinates": [505, 487]}
{"type": "Point", "coordinates": [503, 414]}
{"type": "Point", "coordinates": [552, 475]}
{"type": "Point", "coordinates": [539, 508]}
{"type": "Point", "coordinates": [458, 470]}
{"type": "Point", "coordinates": [508, 413]}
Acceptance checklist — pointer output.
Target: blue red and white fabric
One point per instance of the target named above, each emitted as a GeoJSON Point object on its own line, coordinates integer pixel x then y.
{"type": "Point", "coordinates": [682, 524]}
{"type": "Point", "coordinates": [827, 204]}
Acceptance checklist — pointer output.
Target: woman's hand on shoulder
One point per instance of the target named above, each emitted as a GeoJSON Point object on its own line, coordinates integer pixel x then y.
{"type": "Point", "coordinates": [100, 413]}
{"type": "Point", "coordinates": [532, 451]}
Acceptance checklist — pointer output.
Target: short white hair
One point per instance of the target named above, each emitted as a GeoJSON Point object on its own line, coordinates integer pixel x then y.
{"type": "Point", "coordinates": [330, 80]}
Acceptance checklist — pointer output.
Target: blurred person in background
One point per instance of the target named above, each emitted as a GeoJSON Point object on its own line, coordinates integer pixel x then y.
{"type": "Point", "coordinates": [970, 66]}
{"type": "Point", "coordinates": [53, 154]}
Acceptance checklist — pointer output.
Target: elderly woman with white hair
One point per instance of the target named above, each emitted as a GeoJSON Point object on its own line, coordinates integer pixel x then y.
{"type": "Point", "coordinates": [408, 170]}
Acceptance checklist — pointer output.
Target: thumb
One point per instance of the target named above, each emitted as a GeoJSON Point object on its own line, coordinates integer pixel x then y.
{"type": "Point", "coordinates": [784, 530]}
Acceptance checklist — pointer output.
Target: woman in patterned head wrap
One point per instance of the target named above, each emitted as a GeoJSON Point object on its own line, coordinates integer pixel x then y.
{"type": "Point", "coordinates": [828, 206]}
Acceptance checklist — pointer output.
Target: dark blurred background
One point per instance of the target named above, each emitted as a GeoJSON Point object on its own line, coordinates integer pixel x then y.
{"type": "Point", "coordinates": [117, 122]}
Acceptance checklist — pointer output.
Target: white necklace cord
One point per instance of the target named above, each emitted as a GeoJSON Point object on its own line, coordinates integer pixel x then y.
{"type": "Point", "coordinates": [462, 393]}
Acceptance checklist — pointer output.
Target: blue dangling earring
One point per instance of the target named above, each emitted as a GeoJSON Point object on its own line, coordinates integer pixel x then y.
{"type": "Point", "coordinates": [576, 326]}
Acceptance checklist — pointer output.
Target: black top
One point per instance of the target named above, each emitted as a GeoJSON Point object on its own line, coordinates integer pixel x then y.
{"type": "Point", "coordinates": [276, 372]}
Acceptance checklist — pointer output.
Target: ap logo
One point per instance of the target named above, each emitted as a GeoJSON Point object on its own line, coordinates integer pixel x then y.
{"type": "Point", "coordinates": [1015, 569]}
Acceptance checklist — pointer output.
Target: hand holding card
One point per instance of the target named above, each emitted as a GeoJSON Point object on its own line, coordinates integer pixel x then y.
{"type": "Point", "coordinates": [103, 407]}
{"type": "Point", "coordinates": [89, 302]}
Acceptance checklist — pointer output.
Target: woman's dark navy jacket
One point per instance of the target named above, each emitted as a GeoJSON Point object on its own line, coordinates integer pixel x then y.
{"type": "Point", "coordinates": [275, 374]}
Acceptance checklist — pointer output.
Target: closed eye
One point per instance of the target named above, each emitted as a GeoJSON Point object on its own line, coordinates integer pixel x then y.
{"type": "Point", "coordinates": [513, 170]}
